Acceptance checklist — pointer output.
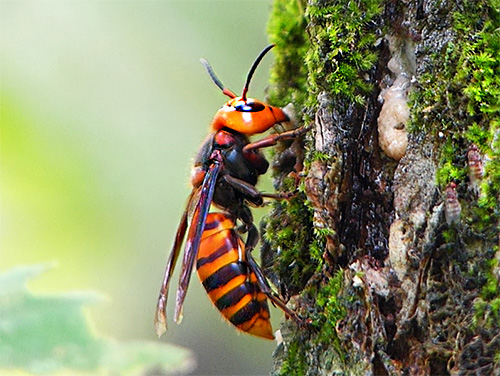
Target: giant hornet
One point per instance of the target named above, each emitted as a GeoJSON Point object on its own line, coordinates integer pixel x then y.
{"type": "Point", "coordinates": [224, 175]}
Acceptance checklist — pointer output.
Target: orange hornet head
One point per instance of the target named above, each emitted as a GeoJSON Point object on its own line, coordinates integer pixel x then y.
{"type": "Point", "coordinates": [248, 116]}
{"type": "Point", "coordinates": [245, 115]}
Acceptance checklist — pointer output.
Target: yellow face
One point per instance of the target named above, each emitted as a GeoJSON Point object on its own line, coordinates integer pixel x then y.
{"type": "Point", "coordinates": [248, 116]}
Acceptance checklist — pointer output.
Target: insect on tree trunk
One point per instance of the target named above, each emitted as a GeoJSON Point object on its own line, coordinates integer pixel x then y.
{"type": "Point", "coordinates": [391, 246]}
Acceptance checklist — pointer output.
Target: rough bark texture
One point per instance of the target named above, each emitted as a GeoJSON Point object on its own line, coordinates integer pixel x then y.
{"type": "Point", "coordinates": [391, 248]}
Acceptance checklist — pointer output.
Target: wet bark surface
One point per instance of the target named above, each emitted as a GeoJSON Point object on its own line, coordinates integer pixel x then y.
{"type": "Point", "coordinates": [414, 271]}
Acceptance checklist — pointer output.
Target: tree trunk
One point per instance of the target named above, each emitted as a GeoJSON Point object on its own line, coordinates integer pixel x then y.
{"type": "Point", "coordinates": [390, 250]}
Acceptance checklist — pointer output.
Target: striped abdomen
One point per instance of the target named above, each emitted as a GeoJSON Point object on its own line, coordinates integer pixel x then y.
{"type": "Point", "coordinates": [229, 282]}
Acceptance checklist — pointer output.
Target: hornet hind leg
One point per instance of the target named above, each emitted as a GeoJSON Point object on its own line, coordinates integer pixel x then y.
{"type": "Point", "coordinates": [251, 242]}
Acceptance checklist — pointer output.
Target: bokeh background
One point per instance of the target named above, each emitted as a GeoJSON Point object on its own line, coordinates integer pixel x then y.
{"type": "Point", "coordinates": [103, 104]}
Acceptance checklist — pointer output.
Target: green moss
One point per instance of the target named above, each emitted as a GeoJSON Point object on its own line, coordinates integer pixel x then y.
{"type": "Point", "coordinates": [287, 27]}
{"type": "Point", "coordinates": [317, 250]}
{"type": "Point", "coordinates": [479, 56]}
{"type": "Point", "coordinates": [319, 156]}
{"type": "Point", "coordinates": [324, 46]}
{"type": "Point", "coordinates": [450, 172]}
{"type": "Point", "coordinates": [480, 69]}
{"type": "Point", "coordinates": [449, 235]}
{"type": "Point", "coordinates": [288, 230]}
{"type": "Point", "coordinates": [466, 110]}
{"type": "Point", "coordinates": [491, 289]}
{"type": "Point", "coordinates": [322, 334]}
{"type": "Point", "coordinates": [487, 314]}
{"type": "Point", "coordinates": [323, 232]}
{"type": "Point", "coordinates": [342, 51]}
{"type": "Point", "coordinates": [469, 108]}
{"type": "Point", "coordinates": [336, 51]}
{"type": "Point", "coordinates": [331, 302]}
{"type": "Point", "coordinates": [295, 363]}
{"type": "Point", "coordinates": [471, 70]}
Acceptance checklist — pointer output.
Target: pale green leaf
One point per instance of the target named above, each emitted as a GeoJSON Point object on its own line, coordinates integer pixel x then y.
{"type": "Point", "coordinates": [49, 334]}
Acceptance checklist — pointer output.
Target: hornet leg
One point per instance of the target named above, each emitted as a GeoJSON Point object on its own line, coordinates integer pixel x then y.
{"type": "Point", "coordinates": [274, 138]}
{"type": "Point", "coordinates": [252, 240]}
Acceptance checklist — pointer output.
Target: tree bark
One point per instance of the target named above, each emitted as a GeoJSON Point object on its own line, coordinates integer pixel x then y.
{"type": "Point", "coordinates": [390, 250]}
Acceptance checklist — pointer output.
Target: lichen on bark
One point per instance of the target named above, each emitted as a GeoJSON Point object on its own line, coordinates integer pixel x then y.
{"type": "Point", "coordinates": [364, 250]}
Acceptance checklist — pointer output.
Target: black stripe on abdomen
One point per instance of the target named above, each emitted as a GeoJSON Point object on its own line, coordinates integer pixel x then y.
{"type": "Point", "coordinates": [226, 246]}
{"type": "Point", "coordinates": [224, 275]}
{"type": "Point", "coordinates": [211, 224]}
{"type": "Point", "coordinates": [235, 295]}
{"type": "Point", "coordinates": [246, 313]}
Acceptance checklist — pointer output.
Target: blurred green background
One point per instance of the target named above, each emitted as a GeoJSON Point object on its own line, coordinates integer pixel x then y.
{"type": "Point", "coordinates": [102, 107]}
